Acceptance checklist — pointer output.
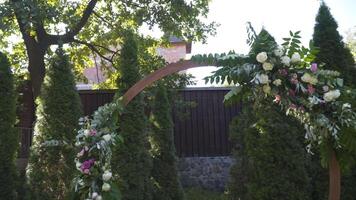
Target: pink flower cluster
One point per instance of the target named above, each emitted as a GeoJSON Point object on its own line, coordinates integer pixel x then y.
{"type": "Point", "coordinates": [86, 165]}
{"type": "Point", "coordinates": [92, 132]}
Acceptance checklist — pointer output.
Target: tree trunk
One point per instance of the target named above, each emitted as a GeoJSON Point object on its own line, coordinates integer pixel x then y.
{"type": "Point", "coordinates": [334, 178]}
{"type": "Point", "coordinates": [36, 66]}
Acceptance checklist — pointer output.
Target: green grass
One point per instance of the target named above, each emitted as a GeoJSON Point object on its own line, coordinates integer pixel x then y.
{"type": "Point", "coordinates": [200, 194]}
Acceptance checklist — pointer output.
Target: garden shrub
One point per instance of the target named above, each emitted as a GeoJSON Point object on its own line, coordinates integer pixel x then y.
{"type": "Point", "coordinates": [332, 50]}
{"type": "Point", "coordinates": [52, 155]}
{"type": "Point", "coordinates": [270, 157]}
{"type": "Point", "coordinates": [9, 137]}
{"type": "Point", "coordinates": [239, 173]}
{"type": "Point", "coordinates": [268, 148]}
{"type": "Point", "coordinates": [336, 56]}
{"type": "Point", "coordinates": [131, 159]}
{"type": "Point", "coordinates": [165, 172]}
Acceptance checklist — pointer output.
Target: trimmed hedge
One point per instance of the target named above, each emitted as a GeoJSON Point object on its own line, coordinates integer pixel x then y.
{"type": "Point", "coordinates": [270, 157]}
{"type": "Point", "coordinates": [9, 137]}
{"type": "Point", "coordinates": [131, 159]}
{"type": "Point", "coordinates": [268, 148]}
{"type": "Point", "coordinates": [336, 56]}
{"type": "Point", "coordinates": [52, 154]}
{"type": "Point", "coordinates": [165, 172]}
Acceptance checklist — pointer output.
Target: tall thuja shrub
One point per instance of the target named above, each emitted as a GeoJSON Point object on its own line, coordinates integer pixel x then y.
{"type": "Point", "coordinates": [332, 50]}
{"type": "Point", "coordinates": [277, 156]}
{"type": "Point", "coordinates": [131, 160]}
{"type": "Point", "coordinates": [270, 158]}
{"type": "Point", "coordinates": [52, 154]}
{"type": "Point", "coordinates": [336, 56]}
{"type": "Point", "coordinates": [165, 172]}
{"type": "Point", "coordinates": [8, 134]}
{"type": "Point", "coordinates": [240, 126]}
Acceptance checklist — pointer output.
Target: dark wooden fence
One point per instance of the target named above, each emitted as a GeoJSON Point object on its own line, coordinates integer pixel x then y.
{"type": "Point", "coordinates": [203, 131]}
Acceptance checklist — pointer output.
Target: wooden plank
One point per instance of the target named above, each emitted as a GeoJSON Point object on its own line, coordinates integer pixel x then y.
{"type": "Point", "coordinates": [200, 124]}
{"type": "Point", "coordinates": [217, 141]}
{"type": "Point", "coordinates": [157, 75]}
{"type": "Point", "coordinates": [194, 127]}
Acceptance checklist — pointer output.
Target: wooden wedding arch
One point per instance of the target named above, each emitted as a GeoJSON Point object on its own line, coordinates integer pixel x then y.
{"type": "Point", "coordinates": [334, 168]}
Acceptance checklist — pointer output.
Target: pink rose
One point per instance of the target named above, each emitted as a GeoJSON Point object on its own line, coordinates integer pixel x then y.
{"type": "Point", "coordinates": [293, 106]}
{"type": "Point", "coordinates": [311, 89]}
{"type": "Point", "coordinates": [314, 67]}
{"type": "Point", "coordinates": [283, 72]}
{"type": "Point", "coordinates": [277, 99]}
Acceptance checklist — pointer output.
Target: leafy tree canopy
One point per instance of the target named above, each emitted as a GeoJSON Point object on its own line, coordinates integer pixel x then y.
{"type": "Point", "coordinates": [92, 27]}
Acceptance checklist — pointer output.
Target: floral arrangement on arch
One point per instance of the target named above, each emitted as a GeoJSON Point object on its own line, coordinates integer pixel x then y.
{"type": "Point", "coordinates": [286, 75]}
{"type": "Point", "coordinates": [93, 160]}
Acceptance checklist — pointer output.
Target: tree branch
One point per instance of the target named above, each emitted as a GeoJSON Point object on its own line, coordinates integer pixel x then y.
{"type": "Point", "coordinates": [28, 39]}
{"type": "Point", "coordinates": [94, 49]}
{"type": "Point", "coordinates": [103, 19]}
{"type": "Point", "coordinates": [69, 36]}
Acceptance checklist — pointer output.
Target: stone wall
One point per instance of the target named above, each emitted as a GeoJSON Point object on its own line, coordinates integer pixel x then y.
{"type": "Point", "coordinates": [205, 172]}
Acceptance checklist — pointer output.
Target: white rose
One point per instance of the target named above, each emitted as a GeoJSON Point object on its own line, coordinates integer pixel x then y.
{"type": "Point", "coordinates": [267, 66]}
{"type": "Point", "coordinates": [262, 79]}
{"type": "Point", "coordinates": [277, 82]}
{"type": "Point", "coordinates": [107, 137]}
{"type": "Point", "coordinates": [266, 89]}
{"type": "Point", "coordinates": [295, 57]}
{"type": "Point", "coordinates": [106, 187]}
{"type": "Point", "coordinates": [87, 132]}
{"type": "Point", "coordinates": [94, 195]}
{"type": "Point", "coordinates": [78, 164]}
{"type": "Point", "coordinates": [309, 79]}
{"type": "Point", "coordinates": [77, 144]}
{"type": "Point", "coordinates": [285, 60]}
{"type": "Point", "coordinates": [346, 105]}
{"type": "Point", "coordinates": [261, 57]}
{"type": "Point", "coordinates": [331, 95]}
{"type": "Point", "coordinates": [107, 175]}
{"type": "Point", "coordinates": [99, 198]}
{"type": "Point", "coordinates": [278, 52]}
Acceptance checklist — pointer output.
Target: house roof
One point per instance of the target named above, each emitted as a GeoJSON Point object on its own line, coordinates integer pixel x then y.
{"type": "Point", "coordinates": [177, 40]}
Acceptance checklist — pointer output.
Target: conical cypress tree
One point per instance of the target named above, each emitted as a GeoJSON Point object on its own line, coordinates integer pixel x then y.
{"type": "Point", "coordinates": [8, 134]}
{"type": "Point", "coordinates": [165, 172]}
{"type": "Point", "coordinates": [52, 154]}
{"type": "Point", "coordinates": [333, 52]}
{"type": "Point", "coordinates": [270, 158]}
{"type": "Point", "coordinates": [336, 56]}
{"type": "Point", "coordinates": [131, 160]}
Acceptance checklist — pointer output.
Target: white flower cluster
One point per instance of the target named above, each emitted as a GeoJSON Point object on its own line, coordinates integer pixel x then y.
{"type": "Point", "coordinates": [261, 57]}
{"type": "Point", "coordinates": [53, 143]}
{"type": "Point", "coordinates": [94, 142]}
{"type": "Point", "coordinates": [331, 95]}
{"type": "Point", "coordinates": [307, 78]}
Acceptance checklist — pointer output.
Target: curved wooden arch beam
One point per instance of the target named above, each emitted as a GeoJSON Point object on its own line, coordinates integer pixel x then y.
{"type": "Point", "coordinates": [334, 168]}
{"type": "Point", "coordinates": [157, 75]}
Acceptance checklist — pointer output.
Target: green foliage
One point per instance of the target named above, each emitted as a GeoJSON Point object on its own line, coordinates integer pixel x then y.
{"type": "Point", "coordinates": [104, 28]}
{"type": "Point", "coordinates": [336, 56]}
{"type": "Point", "coordinates": [270, 160]}
{"type": "Point", "coordinates": [240, 172]}
{"type": "Point", "coordinates": [94, 143]}
{"type": "Point", "coordinates": [165, 172]}
{"type": "Point", "coordinates": [333, 51]}
{"type": "Point", "coordinates": [52, 154]}
{"type": "Point", "coordinates": [131, 160]}
{"type": "Point", "coordinates": [200, 194]}
{"type": "Point", "coordinates": [9, 137]}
